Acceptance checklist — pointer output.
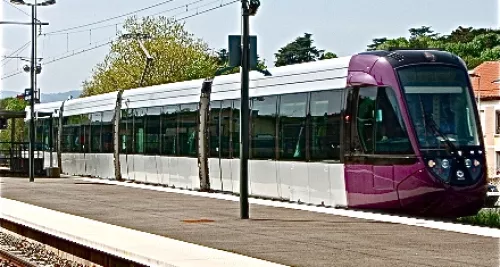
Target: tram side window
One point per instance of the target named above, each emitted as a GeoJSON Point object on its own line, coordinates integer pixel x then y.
{"type": "Point", "coordinates": [39, 133]}
{"type": "Point", "coordinates": [42, 134]}
{"type": "Point", "coordinates": [263, 131]}
{"type": "Point", "coordinates": [139, 118]}
{"type": "Point", "coordinates": [325, 113]}
{"type": "Point", "coordinates": [153, 127]}
{"type": "Point", "coordinates": [390, 134]}
{"type": "Point", "coordinates": [72, 134]}
{"type": "Point", "coordinates": [107, 131]}
{"type": "Point", "coordinates": [126, 131]}
{"type": "Point", "coordinates": [188, 137]}
{"type": "Point", "coordinates": [226, 125]}
{"type": "Point", "coordinates": [220, 128]}
{"type": "Point", "coordinates": [213, 127]}
{"type": "Point", "coordinates": [292, 128]}
{"type": "Point", "coordinates": [235, 130]}
{"type": "Point", "coordinates": [66, 136]}
{"type": "Point", "coordinates": [96, 130]}
{"type": "Point", "coordinates": [169, 125]}
{"type": "Point", "coordinates": [380, 125]}
{"type": "Point", "coordinates": [55, 136]}
{"type": "Point", "coordinates": [86, 124]}
{"type": "Point", "coordinates": [365, 119]}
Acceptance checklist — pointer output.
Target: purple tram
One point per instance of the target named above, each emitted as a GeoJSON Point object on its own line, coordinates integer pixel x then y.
{"type": "Point", "coordinates": [385, 130]}
{"type": "Point", "coordinates": [412, 136]}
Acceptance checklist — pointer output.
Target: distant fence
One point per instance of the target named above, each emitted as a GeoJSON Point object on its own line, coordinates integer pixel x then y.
{"type": "Point", "coordinates": [15, 156]}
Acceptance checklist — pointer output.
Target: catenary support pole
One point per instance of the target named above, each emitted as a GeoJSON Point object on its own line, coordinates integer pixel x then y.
{"type": "Point", "coordinates": [244, 113]}
{"type": "Point", "coordinates": [32, 99]}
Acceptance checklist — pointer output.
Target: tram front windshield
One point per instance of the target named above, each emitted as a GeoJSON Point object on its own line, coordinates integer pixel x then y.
{"type": "Point", "coordinates": [440, 106]}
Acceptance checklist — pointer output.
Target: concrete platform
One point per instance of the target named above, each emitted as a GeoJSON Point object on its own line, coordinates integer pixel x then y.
{"type": "Point", "coordinates": [141, 247]}
{"type": "Point", "coordinates": [280, 235]}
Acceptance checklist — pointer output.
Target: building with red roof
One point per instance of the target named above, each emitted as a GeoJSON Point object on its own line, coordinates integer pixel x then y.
{"type": "Point", "coordinates": [485, 80]}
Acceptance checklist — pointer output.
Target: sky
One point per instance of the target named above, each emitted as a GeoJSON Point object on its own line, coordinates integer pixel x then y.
{"type": "Point", "coordinates": [344, 27]}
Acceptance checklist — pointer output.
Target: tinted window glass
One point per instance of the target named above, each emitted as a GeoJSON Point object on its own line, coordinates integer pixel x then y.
{"type": "Point", "coordinates": [107, 131]}
{"type": "Point", "coordinates": [365, 119]}
{"type": "Point", "coordinates": [126, 131]}
{"type": "Point", "coordinates": [325, 113]}
{"type": "Point", "coordinates": [95, 144]}
{"type": "Point", "coordinates": [139, 119]}
{"type": "Point", "coordinates": [390, 134]}
{"type": "Point", "coordinates": [292, 129]}
{"type": "Point", "coordinates": [235, 129]}
{"type": "Point", "coordinates": [226, 128]}
{"type": "Point", "coordinates": [153, 127]}
{"type": "Point", "coordinates": [188, 130]}
{"type": "Point", "coordinates": [169, 130]}
{"type": "Point", "coordinates": [214, 128]}
{"type": "Point", "coordinates": [72, 139]}
{"type": "Point", "coordinates": [263, 127]}
{"type": "Point", "coordinates": [440, 105]}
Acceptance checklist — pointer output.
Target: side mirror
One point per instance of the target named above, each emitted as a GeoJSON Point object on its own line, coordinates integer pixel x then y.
{"type": "Point", "coordinates": [362, 79]}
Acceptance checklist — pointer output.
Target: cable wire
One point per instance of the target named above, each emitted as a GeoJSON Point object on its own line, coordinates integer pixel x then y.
{"type": "Point", "coordinates": [108, 19]}
{"type": "Point", "coordinates": [9, 57]}
{"type": "Point", "coordinates": [12, 5]}
{"type": "Point", "coordinates": [101, 45]}
{"type": "Point", "coordinates": [68, 30]}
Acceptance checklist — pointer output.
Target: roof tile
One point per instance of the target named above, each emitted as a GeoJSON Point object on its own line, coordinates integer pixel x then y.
{"type": "Point", "coordinates": [483, 86]}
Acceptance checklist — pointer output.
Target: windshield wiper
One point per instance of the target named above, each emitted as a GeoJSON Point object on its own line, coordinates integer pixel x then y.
{"type": "Point", "coordinates": [430, 121]}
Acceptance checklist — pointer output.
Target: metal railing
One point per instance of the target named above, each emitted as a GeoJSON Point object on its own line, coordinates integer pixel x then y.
{"type": "Point", "coordinates": [15, 155]}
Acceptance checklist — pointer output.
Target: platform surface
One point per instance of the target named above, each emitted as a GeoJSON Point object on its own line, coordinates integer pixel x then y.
{"type": "Point", "coordinates": [285, 236]}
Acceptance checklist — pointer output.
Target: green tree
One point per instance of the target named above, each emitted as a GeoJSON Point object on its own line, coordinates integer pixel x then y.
{"type": "Point", "coordinates": [376, 43]}
{"type": "Point", "coordinates": [474, 46]}
{"type": "Point", "coordinates": [328, 55]}
{"type": "Point", "coordinates": [299, 51]}
{"type": "Point", "coordinates": [178, 56]}
{"type": "Point", "coordinates": [12, 104]}
{"type": "Point", "coordinates": [423, 31]}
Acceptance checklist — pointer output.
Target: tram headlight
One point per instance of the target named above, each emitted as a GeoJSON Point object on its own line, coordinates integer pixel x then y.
{"type": "Point", "coordinates": [440, 168]}
{"type": "Point", "coordinates": [431, 163]}
{"type": "Point", "coordinates": [445, 163]}
{"type": "Point", "coordinates": [477, 163]}
{"type": "Point", "coordinates": [468, 163]}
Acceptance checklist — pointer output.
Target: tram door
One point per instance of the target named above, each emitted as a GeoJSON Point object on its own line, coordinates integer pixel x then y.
{"type": "Point", "coordinates": [367, 172]}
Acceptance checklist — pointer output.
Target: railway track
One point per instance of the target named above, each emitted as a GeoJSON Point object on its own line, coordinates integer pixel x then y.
{"type": "Point", "coordinates": [18, 251]}
{"type": "Point", "coordinates": [8, 259]}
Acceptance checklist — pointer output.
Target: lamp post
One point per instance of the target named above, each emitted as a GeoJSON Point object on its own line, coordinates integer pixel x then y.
{"type": "Point", "coordinates": [248, 8]}
{"type": "Point", "coordinates": [33, 85]}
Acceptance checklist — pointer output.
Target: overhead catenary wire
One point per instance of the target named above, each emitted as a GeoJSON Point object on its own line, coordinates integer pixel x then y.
{"type": "Point", "coordinates": [9, 57]}
{"type": "Point", "coordinates": [59, 58]}
{"type": "Point", "coordinates": [180, 19]}
{"type": "Point", "coordinates": [19, 50]}
{"type": "Point", "coordinates": [111, 18]}
{"type": "Point", "coordinates": [73, 30]}
{"type": "Point", "coordinates": [12, 5]}
{"type": "Point", "coordinates": [109, 42]}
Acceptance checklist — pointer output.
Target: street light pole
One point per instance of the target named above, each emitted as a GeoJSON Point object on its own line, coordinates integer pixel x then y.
{"type": "Point", "coordinates": [32, 98]}
{"type": "Point", "coordinates": [33, 73]}
{"type": "Point", "coordinates": [245, 112]}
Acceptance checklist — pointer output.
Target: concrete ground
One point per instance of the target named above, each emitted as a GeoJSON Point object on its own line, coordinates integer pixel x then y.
{"type": "Point", "coordinates": [290, 237]}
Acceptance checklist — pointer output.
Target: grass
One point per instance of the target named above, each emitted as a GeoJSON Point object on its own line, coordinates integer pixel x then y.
{"type": "Point", "coordinates": [485, 217]}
